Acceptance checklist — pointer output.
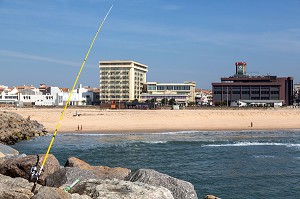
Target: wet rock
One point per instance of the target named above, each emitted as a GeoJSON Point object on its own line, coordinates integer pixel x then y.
{"type": "Point", "coordinates": [14, 128]}
{"type": "Point", "coordinates": [118, 189]}
{"type": "Point", "coordinates": [103, 172]}
{"type": "Point", "coordinates": [20, 167]}
{"type": "Point", "coordinates": [179, 188]}
{"type": "Point", "coordinates": [15, 188]}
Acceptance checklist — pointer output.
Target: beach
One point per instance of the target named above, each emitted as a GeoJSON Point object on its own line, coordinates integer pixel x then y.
{"type": "Point", "coordinates": [146, 121]}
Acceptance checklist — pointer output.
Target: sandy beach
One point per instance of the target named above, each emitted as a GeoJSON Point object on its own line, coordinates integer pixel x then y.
{"type": "Point", "coordinates": [146, 121]}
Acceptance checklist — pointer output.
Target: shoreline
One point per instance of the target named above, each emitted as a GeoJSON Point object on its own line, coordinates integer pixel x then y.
{"type": "Point", "coordinates": [98, 121]}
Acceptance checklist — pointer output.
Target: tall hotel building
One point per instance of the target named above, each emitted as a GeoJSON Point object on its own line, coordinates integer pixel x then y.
{"type": "Point", "coordinates": [121, 80]}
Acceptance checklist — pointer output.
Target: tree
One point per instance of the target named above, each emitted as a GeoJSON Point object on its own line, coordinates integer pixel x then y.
{"type": "Point", "coordinates": [172, 101]}
{"type": "Point", "coordinates": [164, 101]}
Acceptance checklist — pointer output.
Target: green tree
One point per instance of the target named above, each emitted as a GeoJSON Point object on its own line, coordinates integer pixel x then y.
{"type": "Point", "coordinates": [172, 101]}
{"type": "Point", "coordinates": [164, 101]}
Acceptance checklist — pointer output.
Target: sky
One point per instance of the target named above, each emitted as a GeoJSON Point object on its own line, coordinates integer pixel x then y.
{"type": "Point", "coordinates": [45, 42]}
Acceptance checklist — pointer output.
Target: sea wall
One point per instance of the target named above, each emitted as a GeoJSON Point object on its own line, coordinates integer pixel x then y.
{"type": "Point", "coordinates": [14, 128]}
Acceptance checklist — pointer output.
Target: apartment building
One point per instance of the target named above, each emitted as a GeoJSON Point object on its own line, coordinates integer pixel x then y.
{"type": "Point", "coordinates": [121, 80]}
{"type": "Point", "coordinates": [183, 93]}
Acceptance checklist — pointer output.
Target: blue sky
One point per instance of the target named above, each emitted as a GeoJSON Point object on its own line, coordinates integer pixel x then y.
{"type": "Point", "coordinates": [187, 40]}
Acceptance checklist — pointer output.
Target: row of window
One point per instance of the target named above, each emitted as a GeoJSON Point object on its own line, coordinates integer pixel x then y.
{"type": "Point", "coordinates": [114, 96]}
{"type": "Point", "coordinates": [248, 92]}
{"type": "Point", "coordinates": [169, 88]}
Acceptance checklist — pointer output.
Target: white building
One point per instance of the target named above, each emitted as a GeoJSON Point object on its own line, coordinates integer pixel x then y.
{"type": "Point", "coordinates": [183, 93]}
{"type": "Point", "coordinates": [121, 80]}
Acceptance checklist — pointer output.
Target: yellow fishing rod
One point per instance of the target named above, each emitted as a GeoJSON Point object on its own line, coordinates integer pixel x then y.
{"type": "Point", "coordinates": [34, 171]}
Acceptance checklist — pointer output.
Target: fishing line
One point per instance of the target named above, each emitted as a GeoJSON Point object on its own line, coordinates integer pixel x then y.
{"type": "Point", "coordinates": [69, 98]}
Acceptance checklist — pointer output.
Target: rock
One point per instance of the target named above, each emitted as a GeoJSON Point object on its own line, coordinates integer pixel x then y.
{"type": "Point", "coordinates": [75, 162]}
{"type": "Point", "coordinates": [211, 197]}
{"type": "Point", "coordinates": [179, 188]}
{"type": "Point", "coordinates": [57, 193]}
{"type": "Point", "coordinates": [103, 172]}
{"type": "Point", "coordinates": [15, 188]}
{"type": "Point", "coordinates": [20, 167]}
{"type": "Point", "coordinates": [118, 189]}
{"type": "Point", "coordinates": [67, 175]}
{"type": "Point", "coordinates": [8, 151]}
{"type": "Point", "coordinates": [14, 128]}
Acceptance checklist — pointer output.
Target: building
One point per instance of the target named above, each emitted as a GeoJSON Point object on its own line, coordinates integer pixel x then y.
{"type": "Point", "coordinates": [244, 87]}
{"type": "Point", "coordinates": [183, 93]}
{"type": "Point", "coordinates": [203, 97]}
{"type": "Point", "coordinates": [121, 80]}
{"type": "Point", "coordinates": [297, 93]}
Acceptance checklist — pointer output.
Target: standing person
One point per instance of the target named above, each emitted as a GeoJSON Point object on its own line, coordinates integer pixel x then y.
{"type": "Point", "coordinates": [78, 127]}
{"type": "Point", "coordinates": [251, 124]}
{"type": "Point", "coordinates": [81, 127]}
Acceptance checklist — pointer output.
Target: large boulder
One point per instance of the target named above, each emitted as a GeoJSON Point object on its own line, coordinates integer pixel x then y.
{"type": "Point", "coordinates": [103, 172]}
{"type": "Point", "coordinates": [20, 167]}
{"type": "Point", "coordinates": [15, 188]}
{"type": "Point", "coordinates": [8, 151]}
{"type": "Point", "coordinates": [14, 128]}
{"type": "Point", "coordinates": [67, 175]}
{"type": "Point", "coordinates": [56, 193]}
{"type": "Point", "coordinates": [179, 188]}
{"type": "Point", "coordinates": [118, 189]}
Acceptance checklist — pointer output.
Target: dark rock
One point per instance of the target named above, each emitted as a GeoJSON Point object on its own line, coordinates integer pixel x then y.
{"type": "Point", "coordinates": [68, 175]}
{"type": "Point", "coordinates": [179, 188]}
{"type": "Point", "coordinates": [103, 172]}
{"type": "Point", "coordinates": [15, 188]}
{"type": "Point", "coordinates": [14, 128]}
{"type": "Point", "coordinates": [118, 189]}
{"type": "Point", "coordinates": [20, 167]}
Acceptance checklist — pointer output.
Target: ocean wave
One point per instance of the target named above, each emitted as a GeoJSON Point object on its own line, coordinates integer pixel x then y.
{"type": "Point", "coordinates": [237, 144]}
{"type": "Point", "coordinates": [263, 156]}
{"type": "Point", "coordinates": [154, 142]}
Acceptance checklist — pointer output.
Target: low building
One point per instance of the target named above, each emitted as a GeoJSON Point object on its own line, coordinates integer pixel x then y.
{"type": "Point", "coordinates": [297, 93]}
{"type": "Point", "coordinates": [203, 97]}
{"type": "Point", "coordinates": [257, 103]}
{"type": "Point", "coordinates": [244, 87]}
{"type": "Point", "coordinates": [183, 93]}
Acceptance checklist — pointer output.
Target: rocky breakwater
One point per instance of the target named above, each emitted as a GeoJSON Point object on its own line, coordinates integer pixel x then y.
{"type": "Point", "coordinates": [14, 128]}
{"type": "Point", "coordinates": [94, 181]}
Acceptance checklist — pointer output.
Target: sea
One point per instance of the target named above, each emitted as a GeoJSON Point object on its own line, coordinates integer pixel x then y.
{"type": "Point", "coordinates": [227, 164]}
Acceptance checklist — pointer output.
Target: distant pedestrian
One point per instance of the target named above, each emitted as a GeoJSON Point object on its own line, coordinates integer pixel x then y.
{"type": "Point", "coordinates": [81, 127]}
{"type": "Point", "coordinates": [251, 124]}
{"type": "Point", "coordinates": [78, 127]}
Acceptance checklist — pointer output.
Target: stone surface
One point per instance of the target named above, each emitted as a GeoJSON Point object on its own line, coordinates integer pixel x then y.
{"type": "Point", "coordinates": [15, 188]}
{"type": "Point", "coordinates": [14, 128]}
{"type": "Point", "coordinates": [8, 151]}
{"type": "Point", "coordinates": [103, 172]}
{"type": "Point", "coordinates": [20, 167]}
{"type": "Point", "coordinates": [179, 188]}
{"type": "Point", "coordinates": [118, 189]}
{"type": "Point", "coordinates": [67, 175]}
{"type": "Point", "coordinates": [51, 193]}
{"type": "Point", "coordinates": [211, 197]}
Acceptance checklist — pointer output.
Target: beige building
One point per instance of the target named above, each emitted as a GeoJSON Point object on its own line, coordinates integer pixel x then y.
{"type": "Point", "coordinates": [183, 93]}
{"type": "Point", "coordinates": [121, 80]}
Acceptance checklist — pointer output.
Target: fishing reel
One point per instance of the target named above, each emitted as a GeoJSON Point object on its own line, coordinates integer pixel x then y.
{"type": "Point", "coordinates": [34, 174]}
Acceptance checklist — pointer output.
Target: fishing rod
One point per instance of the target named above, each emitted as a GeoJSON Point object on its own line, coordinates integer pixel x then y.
{"type": "Point", "coordinates": [35, 174]}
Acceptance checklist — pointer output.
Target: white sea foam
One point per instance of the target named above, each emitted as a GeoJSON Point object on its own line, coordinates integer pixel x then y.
{"type": "Point", "coordinates": [253, 144]}
{"type": "Point", "coordinates": [154, 142]}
